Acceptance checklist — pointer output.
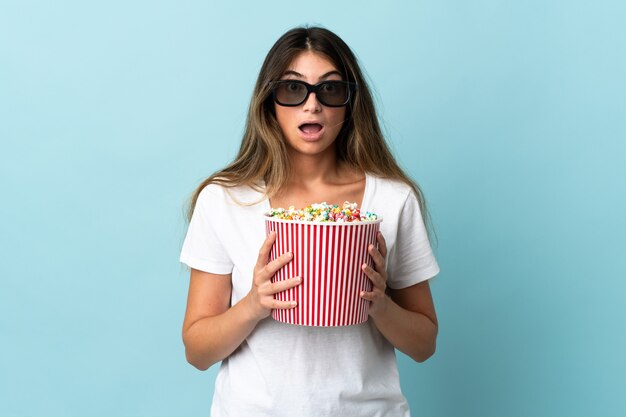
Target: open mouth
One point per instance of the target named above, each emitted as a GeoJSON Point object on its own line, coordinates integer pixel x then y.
{"type": "Point", "coordinates": [310, 128]}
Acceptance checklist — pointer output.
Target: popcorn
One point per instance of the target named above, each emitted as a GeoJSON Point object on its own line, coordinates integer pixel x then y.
{"type": "Point", "coordinates": [322, 212]}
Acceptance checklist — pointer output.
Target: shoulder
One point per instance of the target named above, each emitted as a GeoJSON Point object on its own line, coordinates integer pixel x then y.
{"type": "Point", "coordinates": [392, 190]}
{"type": "Point", "coordinates": [392, 199]}
{"type": "Point", "coordinates": [221, 196]}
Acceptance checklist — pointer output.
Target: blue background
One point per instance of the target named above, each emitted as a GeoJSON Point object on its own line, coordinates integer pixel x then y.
{"type": "Point", "coordinates": [511, 115]}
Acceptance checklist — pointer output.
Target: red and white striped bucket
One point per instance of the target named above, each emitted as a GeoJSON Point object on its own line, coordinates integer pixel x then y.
{"type": "Point", "coordinates": [328, 256]}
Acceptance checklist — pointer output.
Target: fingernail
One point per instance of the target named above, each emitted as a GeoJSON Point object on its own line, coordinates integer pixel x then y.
{"type": "Point", "coordinates": [289, 254]}
{"type": "Point", "coordinates": [298, 279]}
{"type": "Point", "coordinates": [293, 303]}
{"type": "Point", "coordinates": [371, 247]}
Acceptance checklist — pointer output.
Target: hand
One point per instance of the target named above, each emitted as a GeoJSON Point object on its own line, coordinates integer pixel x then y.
{"type": "Point", "coordinates": [260, 299]}
{"type": "Point", "coordinates": [378, 276]}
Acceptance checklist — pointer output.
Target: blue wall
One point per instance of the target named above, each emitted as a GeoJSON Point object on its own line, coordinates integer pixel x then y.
{"type": "Point", "coordinates": [511, 115]}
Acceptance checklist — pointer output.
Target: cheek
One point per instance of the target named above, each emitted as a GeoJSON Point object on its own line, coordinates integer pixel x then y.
{"type": "Point", "coordinates": [337, 118]}
{"type": "Point", "coordinates": [282, 117]}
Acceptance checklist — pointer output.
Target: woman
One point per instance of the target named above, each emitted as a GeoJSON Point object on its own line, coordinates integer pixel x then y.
{"type": "Point", "coordinates": [312, 135]}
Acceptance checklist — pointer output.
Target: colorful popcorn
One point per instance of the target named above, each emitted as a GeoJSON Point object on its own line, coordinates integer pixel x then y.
{"type": "Point", "coordinates": [323, 212]}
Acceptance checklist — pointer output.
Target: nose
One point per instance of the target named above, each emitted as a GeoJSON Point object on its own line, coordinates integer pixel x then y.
{"type": "Point", "coordinates": [311, 104]}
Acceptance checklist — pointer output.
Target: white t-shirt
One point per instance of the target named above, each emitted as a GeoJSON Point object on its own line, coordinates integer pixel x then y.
{"type": "Point", "coordinates": [288, 370]}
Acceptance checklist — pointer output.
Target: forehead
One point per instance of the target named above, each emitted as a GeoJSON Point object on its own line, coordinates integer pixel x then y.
{"type": "Point", "coordinates": [311, 64]}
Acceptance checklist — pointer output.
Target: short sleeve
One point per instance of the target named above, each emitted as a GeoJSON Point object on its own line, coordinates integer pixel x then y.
{"type": "Point", "coordinates": [411, 258]}
{"type": "Point", "coordinates": [202, 248]}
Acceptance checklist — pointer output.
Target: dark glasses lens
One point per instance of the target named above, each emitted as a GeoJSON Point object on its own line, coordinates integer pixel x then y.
{"type": "Point", "coordinates": [293, 93]}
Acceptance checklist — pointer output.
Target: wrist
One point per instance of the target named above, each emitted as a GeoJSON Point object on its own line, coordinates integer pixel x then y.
{"type": "Point", "coordinates": [379, 310]}
{"type": "Point", "coordinates": [251, 310]}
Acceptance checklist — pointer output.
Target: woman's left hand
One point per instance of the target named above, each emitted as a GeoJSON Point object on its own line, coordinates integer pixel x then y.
{"type": "Point", "coordinates": [378, 276]}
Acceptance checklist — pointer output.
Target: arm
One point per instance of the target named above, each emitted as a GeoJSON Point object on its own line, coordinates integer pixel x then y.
{"type": "Point", "coordinates": [212, 330]}
{"type": "Point", "coordinates": [407, 316]}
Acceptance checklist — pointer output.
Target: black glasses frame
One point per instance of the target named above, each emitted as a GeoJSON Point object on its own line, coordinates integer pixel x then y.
{"type": "Point", "coordinates": [351, 87]}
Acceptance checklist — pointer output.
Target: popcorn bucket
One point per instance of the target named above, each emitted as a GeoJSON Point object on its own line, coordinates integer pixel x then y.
{"type": "Point", "coordinates": [328, 256]}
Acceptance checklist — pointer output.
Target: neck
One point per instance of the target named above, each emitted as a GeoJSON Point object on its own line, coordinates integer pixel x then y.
{"type": "Point", "coordinates": [311, 169]}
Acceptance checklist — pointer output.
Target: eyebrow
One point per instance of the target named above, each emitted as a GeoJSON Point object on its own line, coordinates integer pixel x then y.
{"type": "Point", "coordinates": [328, 74]}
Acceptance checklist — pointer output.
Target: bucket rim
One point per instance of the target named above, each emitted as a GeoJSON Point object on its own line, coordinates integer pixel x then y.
{"type": "Point", "coordinates": [341, 224]}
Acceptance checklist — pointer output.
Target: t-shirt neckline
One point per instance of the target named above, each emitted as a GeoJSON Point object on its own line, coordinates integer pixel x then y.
{"type": "Point", "coordinates": [364, 200]}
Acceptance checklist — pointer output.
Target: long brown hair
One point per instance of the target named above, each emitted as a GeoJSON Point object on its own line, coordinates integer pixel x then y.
{"type": "Point", "coordinates": [263, 153]}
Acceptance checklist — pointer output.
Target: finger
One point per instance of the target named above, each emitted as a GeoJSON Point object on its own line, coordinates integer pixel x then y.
{"type": "Point", "coordinates": [382, 244]}
{"type": "Point", "coordinates": [285, 285]}
{"type": "Point", "coordinates": [377, 279]}
{"type": "Point", "coordinates": [264, 253]}
{"type": "Point", "coordinates": [283, 305]}
{"type": "Point", "coordinates": [370, 296]}
{"type": "Point", "coordinates": [379, 261]}
{"type": "Point", "coordinates": [270, 269]}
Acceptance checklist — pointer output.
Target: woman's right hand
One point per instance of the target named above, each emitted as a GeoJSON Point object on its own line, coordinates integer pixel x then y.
{"type": "Point", "coordinates": [260, 299]}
